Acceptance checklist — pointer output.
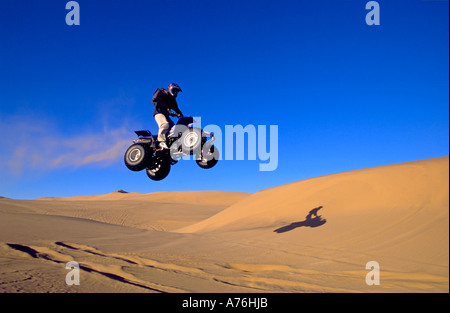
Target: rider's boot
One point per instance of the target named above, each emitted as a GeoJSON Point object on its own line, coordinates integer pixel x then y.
{"type": "Point", "coordinates": [163, 145]}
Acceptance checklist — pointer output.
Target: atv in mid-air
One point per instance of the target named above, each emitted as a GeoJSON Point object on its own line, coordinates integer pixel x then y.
{"type": "Point", "coordinates": [183, 139]}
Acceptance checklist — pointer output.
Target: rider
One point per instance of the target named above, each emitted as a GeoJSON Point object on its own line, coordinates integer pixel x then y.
{"type": "Point", "coordinates": [164, 100]}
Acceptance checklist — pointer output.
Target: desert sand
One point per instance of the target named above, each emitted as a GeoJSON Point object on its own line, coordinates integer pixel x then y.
{"type": "Point", "coordinates": [314, 235]}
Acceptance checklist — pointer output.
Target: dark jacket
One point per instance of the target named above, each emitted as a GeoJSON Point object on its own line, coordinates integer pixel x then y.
{"type": "Point", "coordinates": [163, 102]}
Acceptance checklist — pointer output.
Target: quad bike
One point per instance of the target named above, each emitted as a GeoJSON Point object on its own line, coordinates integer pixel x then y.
{"type": "Point", "coordinates": [183, 139]}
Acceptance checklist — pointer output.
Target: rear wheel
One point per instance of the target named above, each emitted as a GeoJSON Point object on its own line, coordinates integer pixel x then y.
{"type": "Point", "coordinates": [209, 157]}
{"type": "Point", "coordinates": [158, 169]}
{"type": "Point", "coordinates": [136, 157]}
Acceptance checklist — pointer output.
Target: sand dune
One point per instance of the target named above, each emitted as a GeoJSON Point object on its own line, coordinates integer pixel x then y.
{"type": "Point", "coordinates": [191, 197]}
{"type": "Point", "coordinates": [315, 235]}
{"type": "Point", "coordinates": [408, 189]}
{"type": "Point", "coordinates": [152, 211]}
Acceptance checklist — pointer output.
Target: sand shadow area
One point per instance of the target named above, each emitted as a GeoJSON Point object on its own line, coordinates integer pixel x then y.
{"type": "Point", "coordinates": [311, 220]}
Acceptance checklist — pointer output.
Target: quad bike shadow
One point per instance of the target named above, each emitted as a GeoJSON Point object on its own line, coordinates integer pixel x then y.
{"type": "Point", "coordinates": [183, 139]}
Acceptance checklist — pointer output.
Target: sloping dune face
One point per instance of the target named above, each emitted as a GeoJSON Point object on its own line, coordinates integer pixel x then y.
{"type": "Point", "coordinates": [396, 212]}
{"type": "Point", "coordinates": [414, 192]}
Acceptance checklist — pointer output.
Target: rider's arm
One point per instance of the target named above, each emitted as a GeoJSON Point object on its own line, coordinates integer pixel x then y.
{"type": "Point", "coordinates": [177, 110]}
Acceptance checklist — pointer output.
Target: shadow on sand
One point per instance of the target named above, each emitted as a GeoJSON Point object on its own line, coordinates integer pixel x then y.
{"type": "Point", "coordinates": [309, 221]}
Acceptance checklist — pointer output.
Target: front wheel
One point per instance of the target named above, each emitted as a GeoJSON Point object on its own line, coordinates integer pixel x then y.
{"type": "Point", "coordinates": [136, 157]}
{"type": "Point", "coordinates": [191, 140]}
{"type": "Point", "coordinates": [209, 157]}
{"type": "Point", "coordinates": [158, 169]}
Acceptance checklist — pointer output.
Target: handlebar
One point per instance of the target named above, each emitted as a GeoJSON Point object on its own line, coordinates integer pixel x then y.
{"type": "Point", "coordinates": [175, 114]}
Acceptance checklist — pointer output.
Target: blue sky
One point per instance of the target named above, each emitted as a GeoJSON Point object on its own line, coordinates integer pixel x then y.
{"type": "Point", "coordinates": [344, 95]}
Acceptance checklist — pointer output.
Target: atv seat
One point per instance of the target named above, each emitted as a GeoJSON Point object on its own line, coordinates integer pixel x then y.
{"type": "Point", "coordinates": [144, 134]}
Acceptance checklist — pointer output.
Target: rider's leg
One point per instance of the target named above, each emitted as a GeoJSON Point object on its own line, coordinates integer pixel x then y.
{"type": "Point", "coordinates": [164, 125]}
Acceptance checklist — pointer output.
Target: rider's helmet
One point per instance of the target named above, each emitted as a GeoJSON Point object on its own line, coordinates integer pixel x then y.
{"type": "Point", "coordinates": [174, 89]}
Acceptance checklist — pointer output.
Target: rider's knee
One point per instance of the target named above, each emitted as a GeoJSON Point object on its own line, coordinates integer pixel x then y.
{"type": "Point", "coordinates": [164, 126]}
